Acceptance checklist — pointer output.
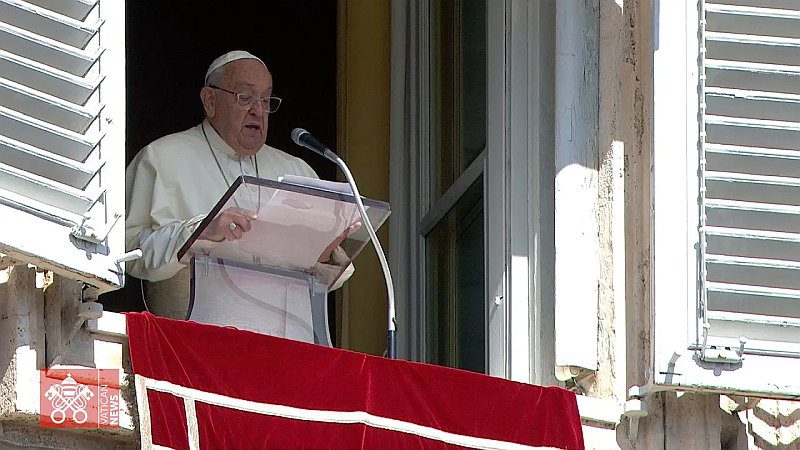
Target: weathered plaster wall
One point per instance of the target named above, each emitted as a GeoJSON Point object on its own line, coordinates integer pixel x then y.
{"type": "Point", "coordinates": [674, 420]}
{"type": "Point", "coordinates": [618, 72]}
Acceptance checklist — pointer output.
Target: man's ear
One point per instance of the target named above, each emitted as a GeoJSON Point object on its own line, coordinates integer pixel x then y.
{"type": "Point", "coordinates": [209, 101]}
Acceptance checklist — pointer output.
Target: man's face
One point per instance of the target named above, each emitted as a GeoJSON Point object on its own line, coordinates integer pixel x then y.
{"type": "Point", "coordinates": [243, 128]}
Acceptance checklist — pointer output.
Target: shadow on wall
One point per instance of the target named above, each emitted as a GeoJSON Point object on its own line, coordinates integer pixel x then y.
{"type": "Point", "coordinates": [6, 351]}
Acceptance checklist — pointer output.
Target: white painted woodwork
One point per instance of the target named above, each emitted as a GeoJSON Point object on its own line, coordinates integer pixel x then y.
{"type": "Point", "coordinates": [750, 150]}
{"type": "Point", "coordinates": [726, 179]}
{"type": "Point", "coordinates": [497, 295]}
{"type": "Point", "coordinates": [62, 135]}
{"type": "Point", "coordinates": [577, 259]}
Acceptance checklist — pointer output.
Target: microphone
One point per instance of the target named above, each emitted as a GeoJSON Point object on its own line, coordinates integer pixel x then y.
{"type": "Point", "coordinates": [303, 138]}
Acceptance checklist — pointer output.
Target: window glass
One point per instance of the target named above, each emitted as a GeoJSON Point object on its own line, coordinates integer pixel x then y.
{"type": "Point", "coordinates": [458, 36]}
{"type": "Point", "coordinates": [455, 285]}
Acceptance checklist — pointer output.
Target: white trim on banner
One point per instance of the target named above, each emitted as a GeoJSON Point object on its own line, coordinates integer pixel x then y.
{"type": "Point", "coordinates": [192, 395]}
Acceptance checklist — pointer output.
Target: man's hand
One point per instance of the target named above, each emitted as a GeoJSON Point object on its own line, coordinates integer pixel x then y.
{"type": "Point", "coordinates": [230, 225]}
{"type": "Point", "coordinates": [326, 254]}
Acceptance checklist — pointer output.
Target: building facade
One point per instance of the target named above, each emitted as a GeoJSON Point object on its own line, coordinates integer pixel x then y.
{"type": "Point", "coordinates": [592, 194]}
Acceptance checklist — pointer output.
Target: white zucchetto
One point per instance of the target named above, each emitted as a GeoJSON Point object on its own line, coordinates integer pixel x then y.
{"type": "Point", "coordinates": [231, 56]}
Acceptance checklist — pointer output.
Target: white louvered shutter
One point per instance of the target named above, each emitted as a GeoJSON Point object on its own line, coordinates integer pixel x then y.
{"type": "Point", "coordinates": [750, 229]}
{"type": "Point", "coordinates": [62, 136]}
{"type": "Point", "coordinates": [726, 197]}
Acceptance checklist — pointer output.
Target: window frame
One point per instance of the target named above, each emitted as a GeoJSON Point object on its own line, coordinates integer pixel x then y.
{"type": "Point", "coordinates": [519, 123]}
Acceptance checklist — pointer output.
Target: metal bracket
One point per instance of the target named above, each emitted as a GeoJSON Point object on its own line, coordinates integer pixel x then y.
{"type": "Point", "coordinates": [88, 309]}
{"type": "Point", "coordinates": [719, 354]}
{"type": "Point", "coordinates": [87, 233]}
{"type": "Point", "coordinates": [202, 263]}
{"type": "Point", "coordinates": [635, 409]}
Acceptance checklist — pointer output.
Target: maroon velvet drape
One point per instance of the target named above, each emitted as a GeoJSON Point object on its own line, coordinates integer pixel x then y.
{"type": "Point", "coordinates": [275, 371]}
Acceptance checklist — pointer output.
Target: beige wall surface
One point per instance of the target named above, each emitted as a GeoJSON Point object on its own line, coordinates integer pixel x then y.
{"type": "Point", "coordinates": [364, 52]}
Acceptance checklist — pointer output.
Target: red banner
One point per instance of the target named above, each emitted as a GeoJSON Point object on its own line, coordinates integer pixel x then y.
{"type": "Point", "coordinates": [249, 390]}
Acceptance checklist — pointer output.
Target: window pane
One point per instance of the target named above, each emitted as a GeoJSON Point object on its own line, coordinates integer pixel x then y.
{"type": "Point", "coordinates": [458, 88]}
{"type": "Point", "coordinates": [455, 285]}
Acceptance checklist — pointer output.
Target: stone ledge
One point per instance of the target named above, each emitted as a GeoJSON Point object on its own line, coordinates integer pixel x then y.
{"type": "Point", "coordinates": [19, 430]}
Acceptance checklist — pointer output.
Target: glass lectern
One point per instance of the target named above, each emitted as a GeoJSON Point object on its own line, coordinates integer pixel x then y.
{"type": "Point", "coordinates": [272, 281]}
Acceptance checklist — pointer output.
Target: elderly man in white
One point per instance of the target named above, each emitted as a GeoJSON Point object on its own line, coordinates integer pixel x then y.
{"type": "Point", "coordinates": [172, 184]}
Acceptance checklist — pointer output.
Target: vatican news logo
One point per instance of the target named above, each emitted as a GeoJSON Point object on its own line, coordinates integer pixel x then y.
{"type": "Point", "coordinates": [79, 398]}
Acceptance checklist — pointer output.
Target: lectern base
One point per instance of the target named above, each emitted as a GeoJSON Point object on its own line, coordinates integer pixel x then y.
{"type": "Point", "coordinates": [259, 298]}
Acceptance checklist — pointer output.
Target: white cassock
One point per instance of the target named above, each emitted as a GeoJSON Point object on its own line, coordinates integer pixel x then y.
{"type": "Point", "coordinates": [171, 185]}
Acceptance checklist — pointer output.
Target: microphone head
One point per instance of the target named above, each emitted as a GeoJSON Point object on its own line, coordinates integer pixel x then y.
{"type": "Point", "coordinates": [297, 133]}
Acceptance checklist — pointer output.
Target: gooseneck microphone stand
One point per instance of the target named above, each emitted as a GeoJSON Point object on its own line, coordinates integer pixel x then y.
{"type": "Point", "coordinates": [303, 138]}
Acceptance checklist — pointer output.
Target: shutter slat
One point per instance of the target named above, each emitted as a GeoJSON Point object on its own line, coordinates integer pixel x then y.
{"type": "Point", "coordinates": [752, 104]}
{"type": "Point", "coordinates": [761, 272]}
{"type": "Point", "coordinates": [746, 299]}
{"type": "Point", "coordinates": [75, 9]}
{"type": "Point", "coordinates": [752, 132]}
{"type": "Point", "coordinates": [47, 23]}
{"type": "Point", "coordinates": [762, 332]}
{"type": "Point", "coordinates": [778, 4]}
{"type": "Point", "coordinates": [753, 76]}
{"type": "Point", "coordinates": [754, 164]}
{"type": "Point", "coordinates": [759, 9]}
{"type": "Point", "coordinates": [750, 229]}
{"type": "Point", "coordinates": [753, 215]}
{"type": "Point", "coordinates": [752, 243]}
{"type": "Point", "coordinates": [741, 150]}
{"type": "Point", "coordinates": [789, 210]}
{"type": "Point", "coordinates": [775, 125]}
{"type": "Point", "coordinates": [45, 190]}
{"type": "Point", "coordinates": [57, 168]}
{"type": "Point", "coordinates": [753, 20]}
{"type": "Point", "coordinates": [46, 107]}
{"type": "Point", "coordinates": [753, 179]}
{"type": "Point", "coordinates": [752, 188]}
{"type": "Point", "coordinates": [753, 234]}
{"type": "Point", "coordinates": [753, 160]}
{"type": "Point", "coordinates": [753, 48]}
{"type": "Point", "coordinates": [753, 95]}
{"type": "Point", "coordinates": [47, 51]}
{"type": "Point", "coordinates": [45, 136]}
{"type": "Point", "coordinates": [47, 79]}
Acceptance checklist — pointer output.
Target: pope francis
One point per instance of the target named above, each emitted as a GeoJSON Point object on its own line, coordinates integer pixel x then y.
{"type": "Point", "coordinates": [174, 182]}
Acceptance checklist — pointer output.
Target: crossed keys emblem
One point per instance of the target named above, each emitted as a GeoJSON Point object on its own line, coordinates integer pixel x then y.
{"type": "Point", "coordinates": [69, 396]}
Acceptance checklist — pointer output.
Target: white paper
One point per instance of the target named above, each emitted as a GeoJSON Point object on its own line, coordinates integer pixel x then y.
{"type": "Point", "coordinates": [333, 186]}
{"type": "Point", "coordinates": [292, 229]}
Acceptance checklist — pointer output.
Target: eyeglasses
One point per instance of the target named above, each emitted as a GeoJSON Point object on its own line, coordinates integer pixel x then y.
{"type": "Point", "coordinates": [269, 104]}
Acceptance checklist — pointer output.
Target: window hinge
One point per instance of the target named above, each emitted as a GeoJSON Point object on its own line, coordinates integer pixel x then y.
{"type": "Point", "coordinates": [721, 354]}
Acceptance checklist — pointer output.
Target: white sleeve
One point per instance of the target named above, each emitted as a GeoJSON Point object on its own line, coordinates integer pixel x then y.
{"type": "Point", "coordinates": [159, 239]}
{"type": "Point", "coordinates": [348, 272]}
{"type": "Point", "coordinates": [325, 271]}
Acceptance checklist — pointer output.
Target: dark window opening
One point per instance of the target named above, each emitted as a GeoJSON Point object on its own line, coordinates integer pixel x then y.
{"type": "Point", "coordinates": [169, 46]}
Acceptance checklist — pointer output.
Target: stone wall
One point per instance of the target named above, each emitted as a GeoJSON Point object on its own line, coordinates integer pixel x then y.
{"type": "Point", "coordinates": [38, 318]}
{"type": "Point", "coordinates": [675, 420]}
